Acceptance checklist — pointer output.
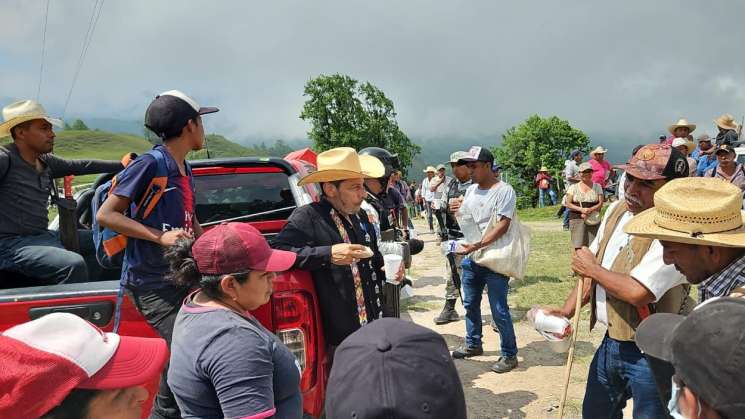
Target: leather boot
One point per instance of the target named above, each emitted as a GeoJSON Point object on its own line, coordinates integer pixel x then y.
{"type": "Point", "coordinates": [448, 313]}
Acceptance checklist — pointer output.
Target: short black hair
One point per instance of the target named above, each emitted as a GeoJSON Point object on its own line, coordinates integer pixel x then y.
{"type": "Point", "coordinates": [23, 125]}
{"type": "Point", "coordinates": [74, 406]}
{"type": "Point", "coordinates": [175, 133]}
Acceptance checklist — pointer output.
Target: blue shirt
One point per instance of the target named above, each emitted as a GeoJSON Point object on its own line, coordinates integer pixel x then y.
{"type": "Point", "coordinates": [227, 365]}
{"type": "Point", "coordinates": [705, 163]}
{"type": "Point", "coordinates": [175, 209]}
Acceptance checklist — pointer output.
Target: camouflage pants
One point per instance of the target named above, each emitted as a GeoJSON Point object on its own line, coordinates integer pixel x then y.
{"type": "Point", "coordinates": [451, 291]}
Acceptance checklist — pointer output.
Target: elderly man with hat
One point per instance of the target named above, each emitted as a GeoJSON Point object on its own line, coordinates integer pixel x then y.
{"type": "Point", "coordinates": [727, 130]}
{"type": "Point", "coordinates": [626, 279]}
{"type": "Point", "coordinates": [456, 190]}
{"type": "Point", "coordinates": [680, 129]}
{"type": "Point", "coordinates": [427, 194]}
{"type": "Point", "coordinates": [602, 170]}
{"type": "Point", "coordinates": [336, 242]}
{"type": "Point", "coordinates": [437, 186]}
{"type": "Point", "coordinates": [705, 350]}
{"type": "Point", "coordinates": [727, 168]}
{"type": "Point", "coordinates": [28, 170]}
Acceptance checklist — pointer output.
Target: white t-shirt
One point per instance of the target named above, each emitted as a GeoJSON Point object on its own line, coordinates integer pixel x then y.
{"type": "Point", "coordinates": [439, 191]}
{"type": "Point", "coordinates": [482, 203]}
{"type": "Point", "coordinates": [651, 272]}
{"type": "Point", "coordinates": [571, 169]}
{"type": "Point", "coordinates": [427, 194]}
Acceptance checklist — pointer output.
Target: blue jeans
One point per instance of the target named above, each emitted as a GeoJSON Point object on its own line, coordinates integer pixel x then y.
{"type": "Point", "coordinates": [566, 217]}
{"type": "Point", "coordinates": [619, 372]}
{"type": "Point", "coordinates": [542, 193]}
{"type": "Point", "coordinates": [43, 258]}
{"type": "Point", "coordinates": [428, 207]}
{"type": "Point", "coordinates": [474, 279]}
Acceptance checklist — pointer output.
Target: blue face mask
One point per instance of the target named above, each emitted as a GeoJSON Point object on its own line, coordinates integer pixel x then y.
{"type": "Point", "coordinates": [672, 405]}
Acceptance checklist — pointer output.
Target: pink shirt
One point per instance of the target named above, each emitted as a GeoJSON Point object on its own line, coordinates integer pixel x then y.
{"type": "Point", "coordinates": [600, 171]}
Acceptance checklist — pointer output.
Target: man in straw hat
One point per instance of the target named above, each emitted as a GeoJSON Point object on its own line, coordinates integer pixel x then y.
{"type": "Point", "coordinates": [427, 194]}
{"type": "Point", "coordinates": [727, 130]}
{"type": "Point", "coordinates": [338, 244]}
{"type": "Point", "coordinates": [602, 171]}
{"type": "Point", "coordinates": [680, 129]}
{"type": "Point", "coordinates": [27, 172]}
{"type": "Point", "coordinates": [625, 279]}
{"type": "Point", "coordinates": [438, 186]}
{"type": "Point", "coordinates": [700, 224]}
{"type": "Point", "coordinates": [543, 183]}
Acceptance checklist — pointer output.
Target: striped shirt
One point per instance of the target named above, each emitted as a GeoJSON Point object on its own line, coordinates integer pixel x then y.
{"type": "Point", "coordinates": [722, 283]}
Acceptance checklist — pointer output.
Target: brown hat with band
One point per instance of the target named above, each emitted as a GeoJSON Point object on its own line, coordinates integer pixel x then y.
{"type": "Point", "coordinates": [657, 162]}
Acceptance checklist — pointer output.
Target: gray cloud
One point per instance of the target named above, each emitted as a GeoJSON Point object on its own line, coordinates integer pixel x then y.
{"type": "Point", "coordinates": [454, 69]}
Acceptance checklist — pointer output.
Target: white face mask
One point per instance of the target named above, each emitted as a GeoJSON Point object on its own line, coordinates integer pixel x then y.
{"type": "Point", "coordinates": [672, 405]}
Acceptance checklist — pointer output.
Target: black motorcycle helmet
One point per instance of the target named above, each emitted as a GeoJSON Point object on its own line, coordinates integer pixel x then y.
{"type": "Point", "coordinates": [389, 160]}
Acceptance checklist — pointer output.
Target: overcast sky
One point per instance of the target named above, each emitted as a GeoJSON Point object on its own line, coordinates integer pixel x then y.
{"type": "Point", "coordinates": [453, 68]}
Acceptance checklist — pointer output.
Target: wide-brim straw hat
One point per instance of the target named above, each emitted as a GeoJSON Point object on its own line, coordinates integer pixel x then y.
{"type": "Point", "coordinates": [429, 169]}
{"type": "Point", "coordinates": [682, 123]}
{"type": "Point", "coordinates": [726, 121]}
{"type": "Point", "coordinates": [598, 150]}
{"type": "Point", "coordinates": [26, 110]}
{"type": "Point", "coordinates": [543, 169]}
{"type": "Point", "coordinates": [344, 163]}
{"type": "Point", "coordinates": [699, 211]}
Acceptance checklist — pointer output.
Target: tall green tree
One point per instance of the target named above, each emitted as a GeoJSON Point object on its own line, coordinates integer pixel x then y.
{"type": "Point", "coordinates": [534, 143]}
{"type": "Point", "coordinates": [345, 113]}
{"type": "Point", "coordinates": [79, 125]}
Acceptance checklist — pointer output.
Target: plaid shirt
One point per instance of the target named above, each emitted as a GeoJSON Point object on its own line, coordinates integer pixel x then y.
{"type": "Point", "coordinates": [722, 283]}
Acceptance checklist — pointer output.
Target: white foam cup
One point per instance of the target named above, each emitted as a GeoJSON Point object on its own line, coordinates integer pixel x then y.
{"type": "Point", "coordinates": [392, 266]}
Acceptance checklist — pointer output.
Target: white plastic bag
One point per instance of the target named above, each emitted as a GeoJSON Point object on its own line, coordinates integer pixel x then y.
{"type": "Point", "coordinates": [508, 255]}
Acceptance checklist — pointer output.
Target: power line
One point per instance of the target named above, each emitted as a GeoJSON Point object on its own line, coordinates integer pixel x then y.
{"type": "Point", "coordinates": [92, 22]}
{"type": "Point", "coordinates": [43, 48]}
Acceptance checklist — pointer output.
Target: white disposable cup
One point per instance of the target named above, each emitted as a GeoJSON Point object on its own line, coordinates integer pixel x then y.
{"type": "Point", "coordinates": [392, 266]}
{"type": "Point", "coordinates": [548, 323]}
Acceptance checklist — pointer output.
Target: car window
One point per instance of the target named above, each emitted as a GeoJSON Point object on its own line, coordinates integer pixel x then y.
{"type": "Point", "coordinates": [230, 195]}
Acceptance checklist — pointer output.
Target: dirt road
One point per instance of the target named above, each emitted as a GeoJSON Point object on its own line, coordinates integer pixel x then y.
{"type": "Point", "coordinates": [533, 389]}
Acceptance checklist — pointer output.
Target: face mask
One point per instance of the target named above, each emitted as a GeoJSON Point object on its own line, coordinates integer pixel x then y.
{"type": "Point", "coordinates": [672, 405]}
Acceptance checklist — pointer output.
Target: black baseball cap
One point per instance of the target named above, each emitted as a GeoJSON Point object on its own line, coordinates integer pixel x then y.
{"type": "Point", "coordinates": [394, 369]}
{"type": "Point", "coordinates": [169, 112]}
{"type": "Point", "coordinates": [707, 349]}
{"type": "Point", "coordinates": [478, 153]}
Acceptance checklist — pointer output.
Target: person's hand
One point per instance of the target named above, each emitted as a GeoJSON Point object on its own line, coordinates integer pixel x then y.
{"type": "Point", "coordinates": [345, 254]}
{"type": "Point", "coordinates": [169, 238]}
{"type": "Point", "coordinates": [401, 272]}
{"type": "Point", "coordinates": [584, 262]}
{"type": "Point", "coordinates": [468, 248]}
{"type": "Point", "coordinates": [455, 204]}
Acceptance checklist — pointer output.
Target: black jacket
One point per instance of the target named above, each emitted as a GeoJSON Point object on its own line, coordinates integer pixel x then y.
{"type": "Point", "coordinates": [310, 232]}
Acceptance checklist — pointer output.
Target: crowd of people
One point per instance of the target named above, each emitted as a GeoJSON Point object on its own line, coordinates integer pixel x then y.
{"type": "Point", "coordinates": [668, 231]}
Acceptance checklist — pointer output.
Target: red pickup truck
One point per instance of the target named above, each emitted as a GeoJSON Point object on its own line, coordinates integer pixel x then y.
{"type": "Point", "coordinates": [260, 191]}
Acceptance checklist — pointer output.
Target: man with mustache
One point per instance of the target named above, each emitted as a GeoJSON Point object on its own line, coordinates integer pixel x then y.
{"type": "Point", "coordinates": [626, 279]}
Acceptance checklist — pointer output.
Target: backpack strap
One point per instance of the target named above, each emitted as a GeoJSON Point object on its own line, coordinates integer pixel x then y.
{"type": "Point", "coordinates": [156, 187]}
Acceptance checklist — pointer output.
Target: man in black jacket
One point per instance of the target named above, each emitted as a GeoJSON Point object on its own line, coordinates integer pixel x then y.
{"type": "Point", "coordinates": [333, 239]}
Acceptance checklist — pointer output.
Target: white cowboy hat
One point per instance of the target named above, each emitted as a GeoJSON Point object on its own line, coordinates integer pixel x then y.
{"type": "Point", "coordinates": [598, 150]}
{"type": "Point", "coordinates": [429, 169]}
{"type": "Point", "coordinates": [20, 112]}
{"type": "Point", "coordinates": [698, 210]}
{"type": "Point", "coordinates": [726, 121]}
{"type": "Point", "coordinates": [344, 163]}
{"type": "Point", "coordinates": [682, 123]}
{"type": "Point", "coordinates": [690, 146]}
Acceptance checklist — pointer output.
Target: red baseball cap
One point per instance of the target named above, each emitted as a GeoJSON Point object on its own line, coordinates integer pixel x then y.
{"type": "Point", "coordinates": [657, 162]}
{"type": "Point", "coordinates": [45, 359]}
{"type": "Point", "coordinates": [238, 247]}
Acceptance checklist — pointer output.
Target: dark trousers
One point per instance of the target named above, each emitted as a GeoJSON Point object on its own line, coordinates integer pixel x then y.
{"type": "Point", "coordinates": [160, 307]}
{"type": "Point", "coordinates": [440, 216]}
{"type": "Point", "coordinates": [619, 371]}
{"type": "Point", "coordinates": [43, 258]}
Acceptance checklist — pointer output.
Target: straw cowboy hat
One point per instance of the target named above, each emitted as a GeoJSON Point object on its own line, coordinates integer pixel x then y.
{"type": "Point", "coordinates": [726, 121]}
{"type": "Point", "coordinates": [686, 142]}
{"type": "Point", "coordinates": [543, 169]}
{"type": "Point", "coordinates": [344, 163]}
{"type": "Point", "coordinates": [20, 112]}
{"type": "Point", "coordinates": [598, 150]}
{"type": "Point", "coordinates": [700, 211]}
{"type": "Point", "coordinates": [429, 169]}
{"type": "Point", "coordinates": [682, 123]}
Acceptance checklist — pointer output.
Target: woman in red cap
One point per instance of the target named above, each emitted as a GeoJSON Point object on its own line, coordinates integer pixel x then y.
{"type": "Point", "coordinates": [224, 363]}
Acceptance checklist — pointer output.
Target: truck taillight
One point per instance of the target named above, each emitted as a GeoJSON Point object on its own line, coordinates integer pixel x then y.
{"type": "Point", "coordinates": [292, 319]}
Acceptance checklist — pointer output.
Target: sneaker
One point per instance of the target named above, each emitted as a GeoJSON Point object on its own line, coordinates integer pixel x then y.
{"type": "Point", "coordinates": [504, 364]}
{"type": "Point", "coordinates": [467, 352]}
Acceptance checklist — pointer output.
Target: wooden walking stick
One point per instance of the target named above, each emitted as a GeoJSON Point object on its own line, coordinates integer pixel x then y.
{"type": "Point", "coordinates": [570, 357]}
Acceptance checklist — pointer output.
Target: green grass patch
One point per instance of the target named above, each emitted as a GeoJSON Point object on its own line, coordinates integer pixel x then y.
{"type": "Point", "coordinates": [538, 214]}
